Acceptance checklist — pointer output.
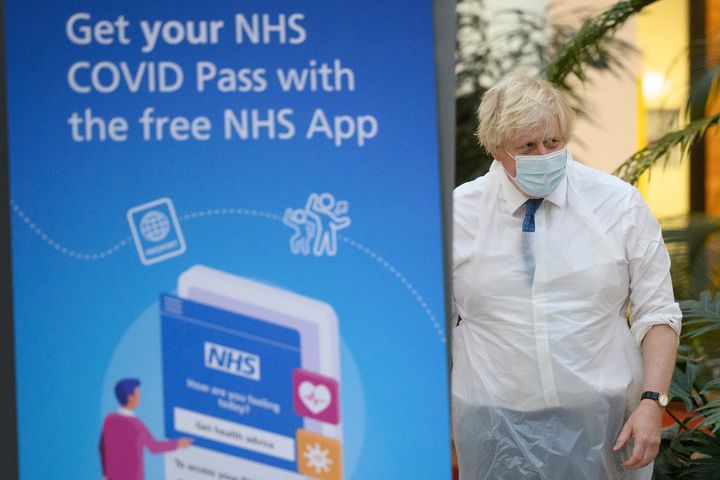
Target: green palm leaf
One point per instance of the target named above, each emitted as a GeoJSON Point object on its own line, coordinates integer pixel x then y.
{"type": "Point", "coordinates": [632, 168]}
{"type": "Point", "coordinates": [708, 416]}
{"type": "Point", "coordinates": [702, 315]}
{"type": "Point", "coordinates": [683, 386]}
{"type": "Point", "coordinates": [587, 46]}
{"type": "Point", "coordinates": [707, 447]}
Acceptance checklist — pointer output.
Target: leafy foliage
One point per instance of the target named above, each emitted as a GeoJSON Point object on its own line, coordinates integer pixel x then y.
{"type": "Point", "coordinates": [481, 61]}
{"type": "Point", "coordinates": [694, 245]}
{"type": "Point", "coordinates": [708, 415]}
{"type": "Point", "coordinates": [588, 47]}
{"type": "Point", "coordinates": [686, 137]}
{"type": "Point", "coordinates": [688, 455]}
{"type": "Point", "coordinates": [704, 90]}
{"type": "Point", "coordinates": [683, 386]}
{"type": "Point", "coordinates": [691, 450]}
{"type": "Point", "coordinates": [701, 316]}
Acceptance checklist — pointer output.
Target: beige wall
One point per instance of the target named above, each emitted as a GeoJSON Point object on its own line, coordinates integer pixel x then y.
{"type": "Point", "coordinates": [663, 42]}
{"type": "Point", "coordinates": [609, 135]}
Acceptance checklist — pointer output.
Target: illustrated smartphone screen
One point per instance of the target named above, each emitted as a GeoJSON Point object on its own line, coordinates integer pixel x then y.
{"type": "Point", "coordinates": [285, 423]}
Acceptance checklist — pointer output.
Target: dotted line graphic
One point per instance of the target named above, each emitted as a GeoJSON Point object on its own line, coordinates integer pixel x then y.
{"type": "Point", "coordinates": [61, 248]}
{"type": "Point", "coordinates": [357, 245]}
{"type": "Point", "coordinates": [406, 283]}
{"type": "Point", "coordinates": [230, 211]}
{"type": "Point", "coordinates": [437, 325]}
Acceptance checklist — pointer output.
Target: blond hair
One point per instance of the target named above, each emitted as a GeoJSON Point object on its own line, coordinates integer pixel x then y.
{"type": "Point", "coordinates": [517, 103]}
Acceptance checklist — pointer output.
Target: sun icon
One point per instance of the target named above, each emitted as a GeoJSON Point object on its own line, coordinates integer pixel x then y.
{"type": "Point", "coordinates": [317, 458]}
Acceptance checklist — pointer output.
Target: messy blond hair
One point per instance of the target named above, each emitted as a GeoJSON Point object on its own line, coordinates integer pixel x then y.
{"type": "Point", "coordinates": [517, 103]}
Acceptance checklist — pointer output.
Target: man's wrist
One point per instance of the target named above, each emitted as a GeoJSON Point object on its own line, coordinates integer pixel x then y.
{"type": "Point", "coordinates": [660, 399]}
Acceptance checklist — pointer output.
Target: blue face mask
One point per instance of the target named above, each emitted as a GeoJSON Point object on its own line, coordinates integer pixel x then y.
{"type": "Point", "coordinates": [539, 175]}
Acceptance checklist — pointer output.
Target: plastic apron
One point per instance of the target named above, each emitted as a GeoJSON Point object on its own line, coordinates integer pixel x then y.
{"type": "Point", "coordinates": [545, 372]}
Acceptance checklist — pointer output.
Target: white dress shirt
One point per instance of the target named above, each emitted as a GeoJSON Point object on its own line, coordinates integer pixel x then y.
{"type": "Point", "coordinates": [553, 336]}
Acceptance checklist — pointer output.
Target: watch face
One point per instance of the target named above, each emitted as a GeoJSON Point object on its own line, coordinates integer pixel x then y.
{"type": "Point", "coordinates": [663, 399]}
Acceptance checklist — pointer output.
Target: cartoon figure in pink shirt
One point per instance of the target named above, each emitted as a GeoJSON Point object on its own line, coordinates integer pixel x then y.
{"type": "Point", "coordinates": [124, 436]}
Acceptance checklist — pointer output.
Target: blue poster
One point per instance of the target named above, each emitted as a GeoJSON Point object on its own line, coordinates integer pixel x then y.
{"type": "Point", "coordinates": [227, 245]}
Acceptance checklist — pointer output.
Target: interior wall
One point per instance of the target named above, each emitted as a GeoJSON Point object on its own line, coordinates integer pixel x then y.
{"type": "Point", "coordinates": [662, 41]}
{"type": "Point", "coordinates": [607, 136]}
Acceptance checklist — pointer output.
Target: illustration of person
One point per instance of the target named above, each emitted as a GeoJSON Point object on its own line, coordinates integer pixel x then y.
{"type": "Point", "coordinates": [328, 220]}
{"type": "Point", "coordinates": [124, 436]}
{"type": "Point", "coordinates": [304, 230]}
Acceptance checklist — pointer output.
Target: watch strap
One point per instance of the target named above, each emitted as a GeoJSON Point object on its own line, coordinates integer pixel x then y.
{"type": "Point", "coordinates": [650, 395]}
{"type": "Point", "coordinates": [660, 398]}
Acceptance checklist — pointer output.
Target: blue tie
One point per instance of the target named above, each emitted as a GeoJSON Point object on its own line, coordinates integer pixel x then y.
{"type": "Point", "coordinates": [529, 221]}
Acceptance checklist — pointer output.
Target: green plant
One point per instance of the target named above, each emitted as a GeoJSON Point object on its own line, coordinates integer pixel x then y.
{"type": "Point", "coordinates": [694, 245]}
{"type": "Point", "coordinates": [691, 449]}
{"type": "Point", "coordinates": [685, 138]}
{"type": "Point", "coordinates": [588, 47]}
{"type": "Point", "coordinates": [481, 61]}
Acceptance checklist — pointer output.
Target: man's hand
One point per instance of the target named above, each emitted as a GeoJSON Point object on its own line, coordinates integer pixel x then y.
{"type": "Point", "coordinates": [644, 427]}
{"type": "Point", "coordinates": [184, 442]}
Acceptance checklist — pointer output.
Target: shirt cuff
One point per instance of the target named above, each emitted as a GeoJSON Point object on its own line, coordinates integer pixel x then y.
{"type": "Point", "coordinates": [640, 328]}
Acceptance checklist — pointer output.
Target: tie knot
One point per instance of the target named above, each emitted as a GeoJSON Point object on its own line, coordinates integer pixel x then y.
{"type": "Point", "coordinates": [530, 207]}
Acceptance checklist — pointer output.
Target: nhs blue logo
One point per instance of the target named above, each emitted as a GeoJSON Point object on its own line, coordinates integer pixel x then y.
{"type": "Point", "coordinates": [230, 360]}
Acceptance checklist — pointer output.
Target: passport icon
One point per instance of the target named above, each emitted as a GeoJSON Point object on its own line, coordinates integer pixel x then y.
{"type": "Point", "coordinates": [156, 231]}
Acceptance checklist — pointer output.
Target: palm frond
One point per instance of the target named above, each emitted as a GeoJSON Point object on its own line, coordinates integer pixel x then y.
{"type": "Point", "coordinates": [713, 384]}
{"type": "Point", "coordinates": [703, 313]}
{"type": "Point", "coordinates": [708, 416]}
{"type": "Point", "coordinates": [585, 48]}
{"type": "Point", "coordinates": [705, 458]}
{"type": "Point", "coordinates": [683, 388]}
{"type": "Point", "coordinates": [692, 241]}
{"type": "Point", "coordinates": [633, 168]}
{"type": "Point", "coordinates": [703, 92]}
{"type": "Point", "coordinates": [689, 454]}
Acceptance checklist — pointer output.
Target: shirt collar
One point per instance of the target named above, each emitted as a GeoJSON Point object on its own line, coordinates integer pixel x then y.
{"type": "Point", "coordinates": [125, 412]}
{"type": "Point", "coordinates": [558, 197]}
{"type": "Point", "coordinates": [515, 199]}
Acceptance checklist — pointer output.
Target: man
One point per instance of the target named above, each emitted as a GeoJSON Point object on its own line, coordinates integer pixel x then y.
{"type": "Point", "coordinates": [549, 379]}
{"type": "Point", "coordinates": [124, 436]}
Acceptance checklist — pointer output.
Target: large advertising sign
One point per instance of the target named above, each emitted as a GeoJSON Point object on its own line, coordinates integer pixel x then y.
{"type": "Point", "coordinates": [227, 246]}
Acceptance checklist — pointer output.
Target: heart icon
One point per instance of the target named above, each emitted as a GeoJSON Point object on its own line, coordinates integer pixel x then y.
{"type": "Point", "coordinates": [316, 398]}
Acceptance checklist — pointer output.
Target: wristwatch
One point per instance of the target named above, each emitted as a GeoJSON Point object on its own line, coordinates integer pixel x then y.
{"type": "Point", "coordinates": [661, 398]}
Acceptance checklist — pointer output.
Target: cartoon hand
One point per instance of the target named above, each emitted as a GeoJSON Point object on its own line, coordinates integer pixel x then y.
{"type": "Point", "coordinates": [184, 442]}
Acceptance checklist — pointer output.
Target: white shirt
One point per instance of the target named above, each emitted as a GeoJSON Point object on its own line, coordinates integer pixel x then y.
{"type": "Point", "coordinates": [558, 338]}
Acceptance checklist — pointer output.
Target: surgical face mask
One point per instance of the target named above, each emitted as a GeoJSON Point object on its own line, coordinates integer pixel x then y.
{"type": "Point", "coordinates": [539, 175]}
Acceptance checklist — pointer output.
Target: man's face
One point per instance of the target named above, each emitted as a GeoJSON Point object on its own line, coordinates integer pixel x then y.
{"type": "Point", "coordinates": [133, 399]}
{"type": "Point", "coordinates": [539, 140]}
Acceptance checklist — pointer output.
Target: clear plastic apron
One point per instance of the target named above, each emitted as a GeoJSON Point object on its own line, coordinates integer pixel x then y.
{"type": "Point", "coordinates": [545, 370]}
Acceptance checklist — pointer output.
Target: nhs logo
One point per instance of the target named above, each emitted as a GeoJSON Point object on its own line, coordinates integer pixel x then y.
{"type": "Point", "coordinates": [229, 360]}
